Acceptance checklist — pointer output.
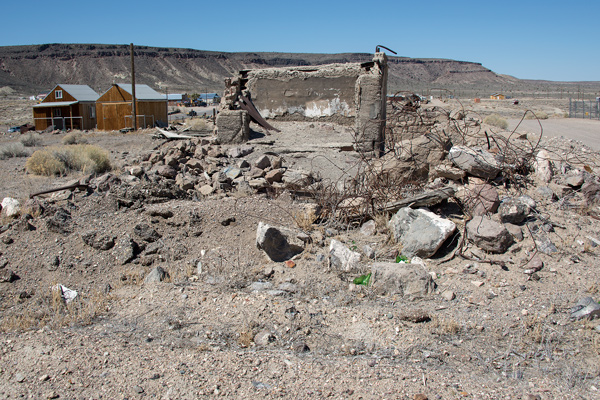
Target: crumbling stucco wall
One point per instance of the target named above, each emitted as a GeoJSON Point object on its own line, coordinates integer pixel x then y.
{"type": "Point", "coordinates": [352, 94]}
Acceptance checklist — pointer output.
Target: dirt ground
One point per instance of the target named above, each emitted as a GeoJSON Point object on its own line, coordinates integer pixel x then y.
{"type": "Point", "coordinates": [228, 322]}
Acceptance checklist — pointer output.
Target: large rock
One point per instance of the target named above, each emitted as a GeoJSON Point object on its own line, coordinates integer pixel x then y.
{"type": "Point", "coordinates": [513, 210]}
{"type": "Point", "coordinates": [402, 279]}
{"type": "Point", "coordinates": [489, 235]}
{"type": "Point", "coordinates": [481, 199]}
{"type": "Point", "coordinates": [342, 258]}
{"type": "Point", "coordinates": [474, 161]}
{"type": "Point", "coordinates": [420, 232]}
{"type": "Point", "coordinates": [543, 166]}
{"type": "Point", "coordinates": [279, 244]}
{"type": "Point", "coordinates": [157, 274]}
{"type": "Point", "coordinates": [10, 207]}
{"type": "Point", "coordinates": [98, 240]}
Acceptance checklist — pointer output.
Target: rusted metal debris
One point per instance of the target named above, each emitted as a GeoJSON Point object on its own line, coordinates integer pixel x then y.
{"type": "Point", "coordinates": [422, 200]}
{"type": "Point", "coordinates": [247, 105]}
{"type": "Point", "coordinates": [71, 187]}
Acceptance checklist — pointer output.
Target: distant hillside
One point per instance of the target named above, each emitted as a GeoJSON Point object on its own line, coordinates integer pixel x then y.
{"type": "Point", "coordinates": [30, 69]}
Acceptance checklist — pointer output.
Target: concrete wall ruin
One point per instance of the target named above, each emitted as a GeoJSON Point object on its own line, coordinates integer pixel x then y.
{"type": "Point", "coordinates": [351, 94]}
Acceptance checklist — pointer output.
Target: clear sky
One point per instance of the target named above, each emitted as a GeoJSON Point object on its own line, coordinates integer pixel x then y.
{"type": "Point", "coordinates": [550, 40]}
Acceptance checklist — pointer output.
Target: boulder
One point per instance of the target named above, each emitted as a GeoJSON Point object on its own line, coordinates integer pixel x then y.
{"type": "Point", "coordinates": [481, 199]}
{"type": "Point", "coordinates": [474, 161]}
{"type": "Point", "coordinates": [280, 244]}
{"type": "Point", "coordinates": [10, 207]}
{"type": "Point", "coordinates": [489, 235]}
{"type": "Point", "coordinates": [420, 232]}
{"type": "Point", "coordinates": [402, 279]}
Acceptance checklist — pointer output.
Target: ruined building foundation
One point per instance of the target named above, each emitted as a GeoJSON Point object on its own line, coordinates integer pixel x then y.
{"type": "Point", "coordinates": [349, 94]}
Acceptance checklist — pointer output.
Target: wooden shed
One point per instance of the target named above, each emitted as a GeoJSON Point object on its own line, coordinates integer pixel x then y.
{"type": "Point", "coordinates": [497, 96]}
{"type": "Point", "coordinates": [114, 107]}
{"type": "Point", "coordinates": [67, 107]}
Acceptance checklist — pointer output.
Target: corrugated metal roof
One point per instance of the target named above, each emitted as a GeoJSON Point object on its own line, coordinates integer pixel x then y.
{"type": "Point", "coordinates": [80, 92]}
{"type": "Point", "coordinates": [56, 104]}
{"type": "Point", "coordinates": [142, 92]}
{"type": "Point", "coordinates": [205, 96]}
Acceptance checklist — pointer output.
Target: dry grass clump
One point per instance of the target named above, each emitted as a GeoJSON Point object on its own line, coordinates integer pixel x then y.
{"type": "Point", "coordinates": [199, 124]}
{"type": "Point", "coordinates": [50, 309]}
{"type": "Point", "coordinates": [61, 160]}
{"type": "Point", "coordinates": [74, 137]}
{"type": "Point", "coordinates": [12, 150]}
{"type": "Point", "coordinates": [536, 115]}
{"type": "Point", "coordinates": [496, 120]}
{"type": "Point", "coordinates": [31, 140]}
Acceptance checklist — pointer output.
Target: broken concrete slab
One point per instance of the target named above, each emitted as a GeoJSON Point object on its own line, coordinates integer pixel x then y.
{"type": "Point", "coordinates": [402, 279]}
{"type": "Point", "coordinates": [342, 258]}
{"type": "Point", "coordinates": [420, 232]}
{"type": "Point", "coordinates": [474, 161]}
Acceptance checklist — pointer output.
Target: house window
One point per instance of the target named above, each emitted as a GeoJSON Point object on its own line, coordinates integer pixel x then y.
{"type": "Point", "coordinates": [92, 111]}
{"type": "Point", "coordinates": [56, 112]}
{"type": "Point", "coordinates": [58, 94]}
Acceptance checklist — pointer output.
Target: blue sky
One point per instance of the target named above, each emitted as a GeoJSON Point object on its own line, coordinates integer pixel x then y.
{"type": "Point", "coordinates": [550, 40]}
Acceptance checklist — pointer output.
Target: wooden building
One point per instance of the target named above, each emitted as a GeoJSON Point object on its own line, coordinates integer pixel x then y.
{"type": "Point", "coordinates": [114, 107]}
{"type": "Point", "coordinates": [497, 96]}
{"type": "Point", "coordinates": [67, 107]}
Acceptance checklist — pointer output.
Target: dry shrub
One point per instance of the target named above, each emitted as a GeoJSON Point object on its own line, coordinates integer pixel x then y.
{"type": "Point", "coordinates": [42, 162]}
{"type": "Point", "coordinates": [49, 309]}
{"type": "Point", "coordinates": [74, 138]}
{"type": "Point", "coordinates": [536, 115]}
{"type": "Point", "coordinates": [496, 120]}
{"type": "Point", "coordinates": [12, 150]}
{"type": "Point", "coordinates": [445, 326]}
{"type": "Point", "coordinates": [31, 140]}
{"type": "Point", "coordinates": [61, 160]}
{"type": "Point", "coordinates": [305, 219]}
{"type": "Point", "coordinates": [199, 124]}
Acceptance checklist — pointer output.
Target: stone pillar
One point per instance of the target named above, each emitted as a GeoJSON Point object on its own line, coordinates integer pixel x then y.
{"type": "Point", "coordinates": [371, 97]}
{"type": "Point", "coordinates": [233, 126]}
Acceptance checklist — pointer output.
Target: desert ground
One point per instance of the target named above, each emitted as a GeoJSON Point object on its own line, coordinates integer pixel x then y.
{"type": "Point", "coordinates": [228, 321]}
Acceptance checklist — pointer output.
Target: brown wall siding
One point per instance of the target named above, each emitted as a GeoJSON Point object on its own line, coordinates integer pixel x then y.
{"type": "Point", "coordinates": [112, 116]}
{"type": "Point", "coordinates": [52, 96]}
{"type": "Point", "coordinates": [76, 110]}
{"type": "Point", "coordinates": [113, 94]}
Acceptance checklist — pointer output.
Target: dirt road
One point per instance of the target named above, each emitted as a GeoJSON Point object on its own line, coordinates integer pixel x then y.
{"type": "Point", "coordinates": [583, 130]}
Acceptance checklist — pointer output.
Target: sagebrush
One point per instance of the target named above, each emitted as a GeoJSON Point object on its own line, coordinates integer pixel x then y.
{"type": "Point", "coordinates": [496, 120]}
{"type": "Point", "coordinates": [62, 160]}
{"type": "Point", "coordinates": [12, 150]}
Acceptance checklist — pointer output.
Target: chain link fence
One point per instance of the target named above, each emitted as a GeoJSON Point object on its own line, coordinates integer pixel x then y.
{"type": "Point", "coordinates": [584, 109]}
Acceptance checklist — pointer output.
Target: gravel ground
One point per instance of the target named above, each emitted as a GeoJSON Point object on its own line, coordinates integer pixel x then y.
{"type": "Point", "coordinates": [228, 322]}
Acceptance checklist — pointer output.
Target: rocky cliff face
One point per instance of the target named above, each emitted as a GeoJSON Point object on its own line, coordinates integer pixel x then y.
{"type": "Point", "coordinates": [30, 69]}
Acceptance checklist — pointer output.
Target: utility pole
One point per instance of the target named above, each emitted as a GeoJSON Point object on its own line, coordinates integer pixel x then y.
{"type": "Point", "coordinates": [133, 100]}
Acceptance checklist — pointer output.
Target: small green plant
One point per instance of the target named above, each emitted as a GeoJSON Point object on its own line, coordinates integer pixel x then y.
{"type": "Point", "coordinates": [400, 258]}
{"type": "Point", "coordinates": [31, 140]}
{"type": "Point", "coordinates": [363, 280]}
{"type": "Point", "coordinates": [496, 120]}
{"type": "Point", "coordinates": [12, 150]}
